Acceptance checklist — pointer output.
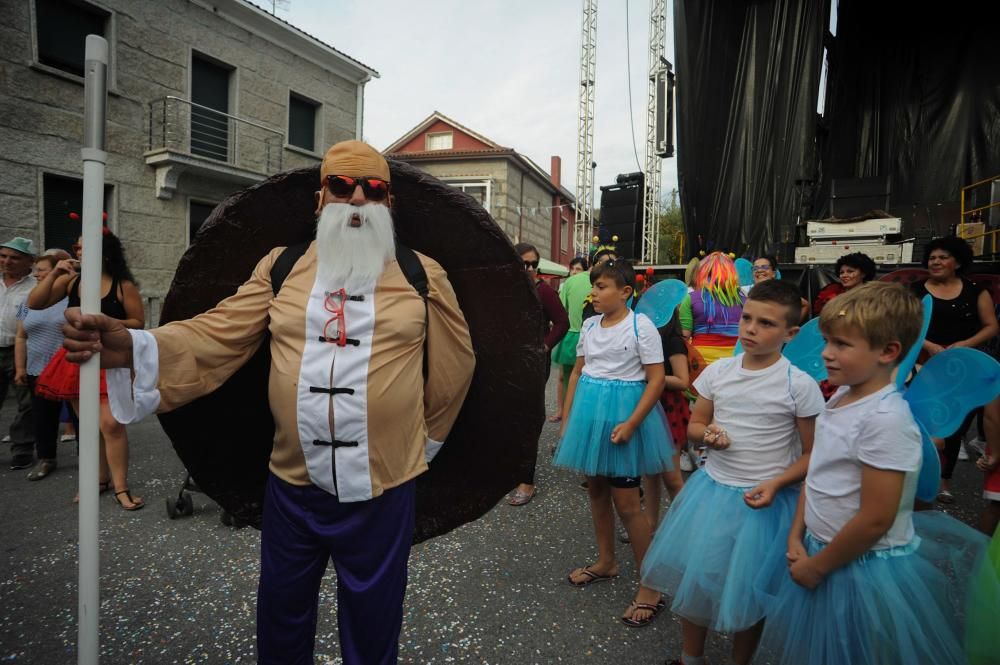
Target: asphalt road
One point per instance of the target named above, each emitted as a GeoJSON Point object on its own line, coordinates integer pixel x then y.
{"type": "Point", "coordinates": [184, 591]}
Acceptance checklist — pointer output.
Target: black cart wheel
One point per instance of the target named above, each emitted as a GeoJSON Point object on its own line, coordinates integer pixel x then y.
{"type": "Point", "coordinates": [182, 506]}
{"type": "Point", "coordinates": [185, 504]}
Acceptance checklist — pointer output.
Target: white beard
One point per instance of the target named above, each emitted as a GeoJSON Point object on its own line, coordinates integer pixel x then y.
{"type": "Point", "coordinates": [353, 258]}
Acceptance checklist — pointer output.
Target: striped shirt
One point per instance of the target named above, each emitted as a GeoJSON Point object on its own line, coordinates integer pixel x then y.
{"type": "Point", "coordinates": [11, 298]}
{"type": "Point", "coordinates": [43, 327]}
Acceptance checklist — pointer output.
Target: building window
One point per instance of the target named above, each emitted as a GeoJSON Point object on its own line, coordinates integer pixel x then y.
{"type": "Point", "coordinates": [62, 27]}
{"type": "Point", "coordinates": [210, 84]}
{"type": "Point", "coordinates": [60, 197]}
{"type": "Point", "coordinates": [302, 115]}
{"type": "Point", "coordinates": [480, 191]}
{"type": "Point", "coordinates": [198, 212]}
{"type": "Point", "coordinates": [438, 141]}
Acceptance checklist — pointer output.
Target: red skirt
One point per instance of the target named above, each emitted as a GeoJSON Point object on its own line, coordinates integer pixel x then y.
{"type": "Point", "coordinates": [675, 405]}
{"type": "Point", "coordinates": [60, 380]}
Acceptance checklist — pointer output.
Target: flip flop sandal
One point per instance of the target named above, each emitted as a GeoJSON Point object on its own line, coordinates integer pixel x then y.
{"type": "Point", "coordinates": [592, 578]}
{"type": "Point", "coordinates": [652, 609]}
{"type": "Point", "coordinates": [519, 498]}
{"type": "Point", "coordinates": [136, 505]}
{"type": "Point", "coordinates": [102, 487]}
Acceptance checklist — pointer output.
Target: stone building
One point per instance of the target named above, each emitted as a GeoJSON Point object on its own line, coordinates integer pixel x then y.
{"type": "Point", "coordinates": [205, 98]}
{"type": "Point", "coordinates": [529, 204]}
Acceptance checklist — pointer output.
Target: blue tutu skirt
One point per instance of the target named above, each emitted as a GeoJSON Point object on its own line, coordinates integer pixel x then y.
{"type": "Point", "coordinates": [710, 548]}
{"type": "Point", "coordinates": [600, 405]}
{"type": "Point", "coordinates": [905, 605]}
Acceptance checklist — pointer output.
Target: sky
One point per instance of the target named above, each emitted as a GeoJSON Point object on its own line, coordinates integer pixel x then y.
{"type": "Point", "coordinates": [507, 70]}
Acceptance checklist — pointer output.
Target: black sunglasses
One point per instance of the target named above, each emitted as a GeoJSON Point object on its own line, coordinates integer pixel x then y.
{"type": "Point", "coordinates": [531, 265]}
{"type": "Point", "coordinates": [343, 186]}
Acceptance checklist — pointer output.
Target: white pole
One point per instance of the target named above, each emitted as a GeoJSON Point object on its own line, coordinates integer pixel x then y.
{"type": "Point", "coordinates": [95, 93]}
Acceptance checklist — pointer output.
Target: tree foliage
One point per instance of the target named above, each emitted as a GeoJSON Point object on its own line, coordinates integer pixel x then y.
{"type": "Point", "coordinates": [671, 230]}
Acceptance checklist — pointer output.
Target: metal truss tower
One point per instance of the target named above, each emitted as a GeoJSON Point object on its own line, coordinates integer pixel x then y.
{"type": "Point", "coordinates": [585, 131]}
{"type": "Point", "coordinates": [651, 200]}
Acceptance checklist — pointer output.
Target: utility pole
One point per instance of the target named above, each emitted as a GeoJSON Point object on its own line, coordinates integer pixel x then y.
{"type": "Point", "coordinates": [584, 230]}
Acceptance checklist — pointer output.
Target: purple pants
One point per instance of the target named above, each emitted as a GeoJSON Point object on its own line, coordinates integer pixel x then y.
{"type": "Point", "coordinates": [369, 542]}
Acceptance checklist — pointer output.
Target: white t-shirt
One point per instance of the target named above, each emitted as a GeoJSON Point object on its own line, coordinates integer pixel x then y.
{"type": "Point", "coordinates": [619, 352]}
{"type": "Point", "coordinates": [757, 408]}
{"type": "Point", "coordinates": [879, 431]}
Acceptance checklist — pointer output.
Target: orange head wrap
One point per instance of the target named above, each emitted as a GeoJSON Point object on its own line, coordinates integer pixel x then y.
{"type": "Point", "coordinates": [354, 158]}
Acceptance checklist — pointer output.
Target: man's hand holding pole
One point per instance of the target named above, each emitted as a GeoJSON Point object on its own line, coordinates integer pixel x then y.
{"type": "Point", "coordinates": [87, 334]}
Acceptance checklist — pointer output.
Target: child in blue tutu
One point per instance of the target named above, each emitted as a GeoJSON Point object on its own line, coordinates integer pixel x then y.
{"type": "Point", "coordinates": [756, 413]}
{"type": "Point", "coordinates": [868, 580]}
{"type": "Point", "coordinates": [616, 431]}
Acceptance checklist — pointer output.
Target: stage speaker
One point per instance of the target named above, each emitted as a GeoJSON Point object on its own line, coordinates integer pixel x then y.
{"type": "Point", "coordinates": [664, 109]}
{"type": "Point", "coordinates": [621, 215]}
{"type": "Point", "coordinates": [851, 197]}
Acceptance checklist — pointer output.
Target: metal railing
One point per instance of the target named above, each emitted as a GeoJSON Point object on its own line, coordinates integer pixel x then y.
{"type": "Point", "coordinates": [974, 214]}
{"type": "Point", "coordinates": [182, 126]}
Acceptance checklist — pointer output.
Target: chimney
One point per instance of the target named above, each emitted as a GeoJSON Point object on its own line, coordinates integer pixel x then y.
{"type": "Point", "coordinates": [556, 171]}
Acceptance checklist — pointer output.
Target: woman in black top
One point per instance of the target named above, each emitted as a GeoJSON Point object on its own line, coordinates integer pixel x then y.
{"type": "Point", "coordinates": [962, 315]}
{"type": "Point", "coordinates": [61, 379]}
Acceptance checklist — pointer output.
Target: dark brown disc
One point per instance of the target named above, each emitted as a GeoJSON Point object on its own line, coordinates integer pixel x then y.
{"type": "Point", "coordinates": [224, 439]}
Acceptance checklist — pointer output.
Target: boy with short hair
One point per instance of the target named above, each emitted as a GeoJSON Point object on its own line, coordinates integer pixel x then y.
{"type": "Point", "coordinates": [756, 411]}
{"type": "Point", "coordinates": [856, 549]}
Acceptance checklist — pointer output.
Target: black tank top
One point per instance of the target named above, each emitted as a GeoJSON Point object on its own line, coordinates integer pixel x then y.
{"type": "Point", "coordinates": [110, 304]}
{"type": "Point", "coordinates": [956, 319]}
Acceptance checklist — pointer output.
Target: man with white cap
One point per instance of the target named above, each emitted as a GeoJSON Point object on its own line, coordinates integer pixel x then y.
{"type": "Point", "coordinates": [17, 257]}
{"type": "Point", "coordinates": [368, 374]}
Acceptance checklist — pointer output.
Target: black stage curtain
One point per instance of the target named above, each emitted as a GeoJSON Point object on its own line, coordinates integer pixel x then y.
{"type": "Point", "coordinates": [914, 94]}
{"type": "Point", "coordinates": [747, 81]}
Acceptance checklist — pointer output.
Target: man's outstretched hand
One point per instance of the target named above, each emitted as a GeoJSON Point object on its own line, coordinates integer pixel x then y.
{"type": "Point", "coordinates": [87, 334]}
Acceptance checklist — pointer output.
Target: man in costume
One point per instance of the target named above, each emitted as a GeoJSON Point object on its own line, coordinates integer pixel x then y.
{"type": "Point", "coordinates": [367, 377]}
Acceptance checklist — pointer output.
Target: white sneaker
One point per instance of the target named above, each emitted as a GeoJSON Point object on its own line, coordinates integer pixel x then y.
{"type": "Point", "coordinates": [686, 464]}
{"type": "Point", "coordinates": [6, 439]}
{"type": "Point", "coordinates": [978, 445]}
{"type": "Point", "coordinates": [962, 455]}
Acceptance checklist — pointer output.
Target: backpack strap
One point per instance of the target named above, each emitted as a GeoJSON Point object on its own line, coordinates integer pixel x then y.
{"type": "Point", "coordinates": [415, 274]}
{"type": "Point", "coordinates": [284, 264]}
{"type": "Point", "coordinates": [413, 270]}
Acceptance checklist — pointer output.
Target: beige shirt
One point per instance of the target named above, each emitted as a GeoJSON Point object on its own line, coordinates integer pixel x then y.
{"type": "Point", "coordinates": [384, 419]}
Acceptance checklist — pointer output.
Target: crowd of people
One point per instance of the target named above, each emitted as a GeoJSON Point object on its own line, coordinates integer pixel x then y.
{"type": "Point", "coordinates": [37, 289]}
{"type": "Point", "coordinates": [799, 531]}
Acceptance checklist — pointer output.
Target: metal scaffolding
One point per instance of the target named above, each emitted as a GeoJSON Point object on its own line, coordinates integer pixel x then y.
{"type": "Point", "coordinates": [651, 199]}
{"type": "Point", "coordinates": [584, 230]}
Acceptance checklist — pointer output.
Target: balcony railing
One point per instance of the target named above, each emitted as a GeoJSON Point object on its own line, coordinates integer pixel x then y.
{"type": "Point", "coordinates": [184, 127]}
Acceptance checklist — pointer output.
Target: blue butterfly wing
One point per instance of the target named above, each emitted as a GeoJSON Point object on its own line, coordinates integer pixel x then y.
{"type": "Point", "coordinates": [660, 301]}
{"type": "Point", "coordinates": [930, 470]}
{"type": "Point", "coordinates": [950, 385]}
{"type": "Point", "coordinates": [805, 350]}
{"type": "Point", "coordinates": [737, 348]}
{"type": "Point", "coordinates": [910, 361]}
{"type": "Point", "coordinates": [744, 269]}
